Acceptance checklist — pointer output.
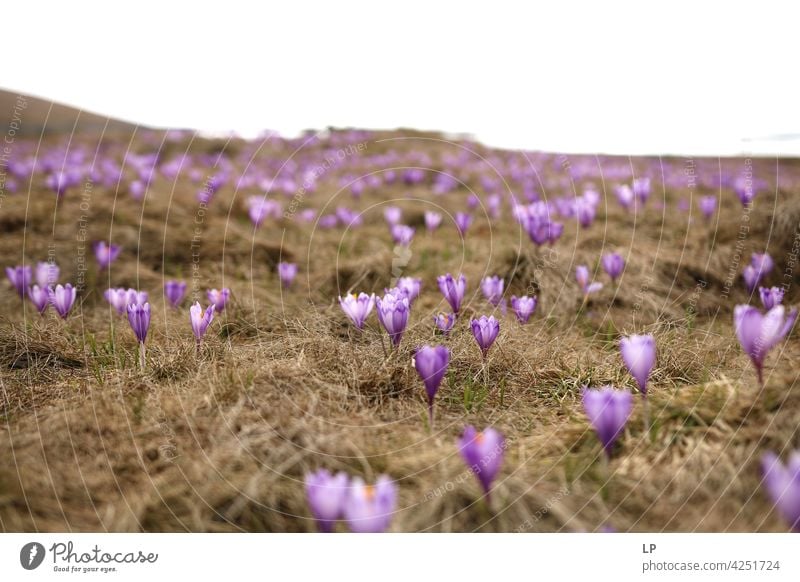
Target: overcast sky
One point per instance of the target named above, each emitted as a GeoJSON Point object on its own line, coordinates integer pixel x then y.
{"type": "Point", "coordinates": [622, 77]}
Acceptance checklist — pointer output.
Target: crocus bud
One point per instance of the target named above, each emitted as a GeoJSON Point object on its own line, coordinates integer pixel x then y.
{"type": "Point", "coordinates": [357, 308]}
{"type": "Point", "coordinates": [411, 286]}
{"type": "Point", "coordinates": [139, 318]}
{"type": "Point", "coordinates": [613, 265]}
{"type": "Point", "coordinates": [369, 508]}
{"type": "Point", "coordinates": [492, 288]}
{"type": "Point", "coordinates": [174, 291]}
{"type": "Point", "coordinates": [708, 206]}
{"type": "Point", "coordinates": [286, 273]}
{"type": "Point", "coordinates": [639, 354]}
{"type": "Point", "coordinates": [39, 297]}
{"type": "Point", "coordinates": [392, 310]}
{"type": "Point", "coordinates": [453, 290]}
{"type": "Point", "coordinates": [432, 220]}
{"type": "Point", "coordinates": [483, 454]}
{"type": "Point", "coordinates": [46, 274]}
{"type": "Point", "coordinates": [431, 364]}
{"type": "Point", "coordinates": [608, 410]}
{"type": "Point", "coordinates": [200, 319]}
{"type": "Point", "coordinates": [402, 234]}
{"type": "Point", "coordinates": [105, 254]}
{"type": "Point", "coordinates": [62, 297]}
{"type": "Point", "coordinates": [20, 278]}
{"type": "Point", "coordinates": [392, 214]}
{"type": "Point", "coordinates": [463, 222]}
{"type": "Point", "coordinates": [782, 483]}
{"type": "Point", "coordinates": [485, 331]}
{"type": "Point", "coordinates": [219, 298]}
{"type": "Point", "coordinates": [523, 307]}
{"type": "Point", "coordinates": [326, 495]}
{"type": "Point", "coordinates": [758, 333]}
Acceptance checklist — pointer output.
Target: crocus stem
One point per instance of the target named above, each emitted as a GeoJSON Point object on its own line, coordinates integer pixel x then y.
{"type": "Point", "coordinates": [383, 345]}
{"type": "Point", "coordinates": [141, 355]}
{"type": "Point", "coordinates": [760, 375]}
{"type": "Point", "coordinates": [430, 414]}
{"type": "Point", "coordinates": [646, 415]}
{"type": "Point", "coordinates": [197, 348]}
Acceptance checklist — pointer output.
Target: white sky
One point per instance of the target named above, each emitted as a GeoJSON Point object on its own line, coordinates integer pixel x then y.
{"type": "Point", "coordinates": [632, 77]}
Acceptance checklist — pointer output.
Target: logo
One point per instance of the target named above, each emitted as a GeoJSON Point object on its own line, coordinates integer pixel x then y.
{"type": "Point", "coordinates": [31, 555]}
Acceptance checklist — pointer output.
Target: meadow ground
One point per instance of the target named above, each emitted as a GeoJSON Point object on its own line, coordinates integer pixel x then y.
{"type": "Point", "coordinates": [285, 384]}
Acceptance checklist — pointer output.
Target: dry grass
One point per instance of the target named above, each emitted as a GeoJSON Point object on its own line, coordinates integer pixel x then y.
{"type": "Point", "coordinates": [285, 385]}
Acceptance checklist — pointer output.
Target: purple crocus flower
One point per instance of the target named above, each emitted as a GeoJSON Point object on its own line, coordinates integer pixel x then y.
{"type": "Point", "coordinates": [286, 273]}
{"type": "Point", "coordinates": [200, 320]}
{"type": "Point", "coordinates": [392, 214]}
{"type": "Point", "coordinates": [327, 221]}
{"type": "Point", "coordinates": [639, 355]}
{"type": "Point", "coordinates": [751, 277]}
{"type": "Point", "coordinates": [582, 277]}
{"type": "Point", "coordinates": [743, 187]}
{"type": "Point", "coordinates": [134, 296]}
{"type": "Point", "coordinates": [402, 234]}
{"type": "Point", "coordinates": [117, 298]}
{"type": "Point", "coordinates": [762, 263]}
{"type": "Point", "coordinates": [608, 410]}
{"type": "Point", "coordinates": [411, 286]}
{"type": "Point", "coordinates": [174, 291]}
{"type": "Point", "coordinates": [105, 254]}
{"type": "Point", "coordinates": [782, 483]}
{"type": "Point", "coordinates": [585, 211]}
{"type": "Point", "coordinates": [357, 308]}
{"type": "Point", "coordinates": [485, 330]}
{"type": "Point", "coordinates": [708, 206]}
{"type": "Point", "coordinates": [219, 298]}
{"type": "Point", "coordinates": [492, 288]}
{"type": "Point", "coordinates": [326, 495]}
{"type": "Point", "coordinates": [139, 318]}
{"type": "Point", "coordinates": [453, 290]}
{"type": "Point", "coordinates": [46, 274]}
{"type": "Point", "coordinates": [523, 307]}
{"type": "Point", "coordinates": [758, 333]}
{"type": "Point", "coordinates": [392, 310]}
{"type": "Point", "coordinates": [613, 265]}
{"type": "Point", "coordinates": [463, 222]}
{"type": "Point", "coordinates": [641, 189]}
{"type": "Point", "coordinates": [444, 322]}
{"type": "Point", "coordinates": [40, 298]}
{"type": "Point", "coordinates": [483, 453]}
{"type": "Point", "coordinates": [369, 508]}
{"type": "Point", "coordinates": [770, 297]}
{"type": "Point", "coordinates": [431, 364]}
{"type": "Point", "coordinates": [20, 278]}
{"type": "Point", "coordinates": [625, 196]}
{"type": "Point", "coordinates": [62, 297]}
{"type": "Point", "coordinates": [432, 220]}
